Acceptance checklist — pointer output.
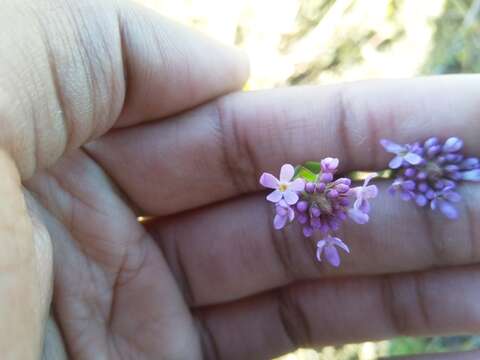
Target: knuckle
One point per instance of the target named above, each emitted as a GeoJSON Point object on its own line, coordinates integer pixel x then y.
{"type": "Point", "coordinates": [293, 318]}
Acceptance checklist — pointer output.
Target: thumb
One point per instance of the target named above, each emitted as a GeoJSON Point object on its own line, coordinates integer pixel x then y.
{"type": "Point", "coordinates": [25, 270]}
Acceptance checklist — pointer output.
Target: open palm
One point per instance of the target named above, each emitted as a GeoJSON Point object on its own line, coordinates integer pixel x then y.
{"type": "Point", "coordinates": [117, 113]}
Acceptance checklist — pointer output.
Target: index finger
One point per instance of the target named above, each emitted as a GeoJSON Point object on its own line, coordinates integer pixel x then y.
{"type": "Point", "coordinates": [218, 151]}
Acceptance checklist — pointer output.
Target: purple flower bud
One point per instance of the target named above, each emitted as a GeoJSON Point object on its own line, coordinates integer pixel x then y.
{"type": "Point", "coordinates": [342, 188]}
{"type": "Point", "coordinates": [302, 218]}
{"type": "Point", "coordinates": [345, 181]}
{"type": "Point", "coordinates": [423, 187]}
{"type": "Point", "coordinates": [452, 144]}
{"type": "Point", "coordinates": [341, 215]}
{"type": "Point", "coordinates": [430, 194]}
{"type": "Point", "coordinates": [326, 177]}
{"type": "Point", "coordinates": [451, 168]}
{"type": "Point", "coordinates": [315, 223]}
{"type": "Point", "coordinates": [329, 165]}
{"type": "Point", "coordinates": [422, 175]}
{"type": "Point", "coordinates": [310, 187]}
{"type": "Point", "coordinates": [315, 211]}
{"type": "Point", "coordinates": [332, 194]}
{"type": "Point", "coordinates": [434, 150]}
{"type": "Point", "coordinates": [410, 172]}
{"type": "Point", "coordinates": [344, 201]}
{"type": "Point", "coordinates": [421, 200]}
{"type": "Point", "coordinates": [307, 231]}
{"type": "Point", "coordinates": [302, 206]}
{"type": "Point", "coordinates": [408, 185]}
{"type": "Point", "coordinates": [320, 187]}
{"type": "Point", "coordinates": [431, 142]}
{"type": "Point", "coordinates": [453, 158]}
{"type": "Point", "coordinates": [470, 163]}
{"type": "Point", "coordinates": [440, 160]}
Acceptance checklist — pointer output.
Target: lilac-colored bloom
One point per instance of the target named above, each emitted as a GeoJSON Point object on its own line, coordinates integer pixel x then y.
{"type": "Point", "coordinates": [327, 248]}
{"type": "Point", "coordinates": [452, 144]}
{"type": "Point", "coordinates": [284, 215]}
{"type": "Point", "coordinates": [444, 200]}
{"type": "Point", "coordinates": [329, 165]}
{"type": "Point", "coordinates": [284, 188]}
{"type": "Point", "coordinates": [432, 180]}
{"type": "Point", "coordinates": [471, 175]}
{"type": "Point", "coordinates": [319, 205]}
{"type": "Point", "coordinates": [361, 207]}
{"type": "Point", "coordinates": [404, 153]}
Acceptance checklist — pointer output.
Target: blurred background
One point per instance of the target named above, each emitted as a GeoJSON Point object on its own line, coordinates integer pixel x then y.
{"type": "Point", "coordinates": [293, 42]}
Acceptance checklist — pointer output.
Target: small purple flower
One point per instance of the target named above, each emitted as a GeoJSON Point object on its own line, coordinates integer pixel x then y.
{"type": "Point", "coordinates": [404, 153]}
{"type": "Point", "coordinates": [327, 247]}
{"type": "Point", "coordinates": [443, 201]}
{"type": "Point", "coordinates": [361, 206]}
{"type": "Point", "coordinates": [283, 215]}
{"type": "Point", "coordinates": [329, 165]}
{"type": "Point", "coordinates": [284, 188]}
{"type": "Point", "coordinates": [319, 203]}
{"type": "Point", "coordinates": [436, 171]}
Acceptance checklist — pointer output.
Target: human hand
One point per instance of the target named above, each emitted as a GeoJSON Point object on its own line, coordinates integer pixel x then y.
{"type": "Point", "coordinates": [206, 276]}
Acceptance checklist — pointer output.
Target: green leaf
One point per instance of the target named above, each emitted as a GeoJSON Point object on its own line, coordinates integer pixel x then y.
{"type": "Point", "coordinates": [313, 166]}
{"type": "Point", "coordinates": [305, 173]}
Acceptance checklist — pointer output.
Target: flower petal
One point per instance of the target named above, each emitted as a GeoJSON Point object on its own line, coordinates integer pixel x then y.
{"type": "Point", "coordinates": [452, 196]}
{"type": "Point", "coordinates": [290, 197]}
{"type": "Point", "coordinates": [452, 144]}
{"type": "Point", "coordinates": [269, 181]}
{"type": "Point", "coordinates": [396, 162]}
{"type": "Point", "coordinates": [368, 178]}
{"type": "Point", "coordinates": [413, 158]}
{"type": "Point", "coordinates": [331, 254]}
{"type": "Point", "coordinates": [286, 172]}
{"type": "Point", "coordinates": [392, 147]}
{"type": "Point", "coordinates": [297, 185]}
{"type": "Point", "coordinates": [329, 164]}
{"type": "Point", "coordinates": [291, 214]}
{"type": "Point", "coordinates": [364, 207]}
{"type": "Point", "coordinates": [358, 216]}
{"type": "Point", "coordinates": [279, 222]}
{"type": "Point", "coordinates": [370, 192]}
{"type": "Point", "coordinates": [472, 175]}
{"type": "Point", "coordinates": [447, 209]}
{"type": "Point", "coordinates": [338, 242]}
{"type": "Point", "coordinates": [421, 200]}
{"type": "Point", "coordinates": [320, 246]}
{"type": "Point", "coordinates": [275, 196]}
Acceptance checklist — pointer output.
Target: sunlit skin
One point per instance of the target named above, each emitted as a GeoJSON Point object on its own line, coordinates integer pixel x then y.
{"type": "Point", "coordinates": [109, 112]}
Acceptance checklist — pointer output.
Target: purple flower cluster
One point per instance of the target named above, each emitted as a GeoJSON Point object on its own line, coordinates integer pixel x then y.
{"type": "Point", "coordinates": [321, 205]}
{"type": "Point", "coordinates": [428, 173]}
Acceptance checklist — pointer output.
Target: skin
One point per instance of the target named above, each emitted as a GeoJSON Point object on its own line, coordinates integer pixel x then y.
{"type": "Point", "coordinates": [109, 111]}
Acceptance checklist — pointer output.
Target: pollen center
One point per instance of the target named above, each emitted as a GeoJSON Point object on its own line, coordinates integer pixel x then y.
{"type": "Point", "coordinates": [434, 170]}
{"type": "Point", "coordinates": [282, 187]}
{"type": "Point", "coordinates": [323, 204]}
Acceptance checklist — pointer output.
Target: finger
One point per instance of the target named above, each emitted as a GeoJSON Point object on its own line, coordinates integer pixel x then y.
{"type": "Point", "coordinates": [219, 150]}
{"type": "Point", "coordinates": [170, 68]}
{"type": "Point", "coordinates": [77, 67]}
{"type": "Point", "coordinates": [25, 268]}
{"type": "Point", "coordinates": [342, 311]}
{"type": "Point", "coordinates": [240, 254]}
